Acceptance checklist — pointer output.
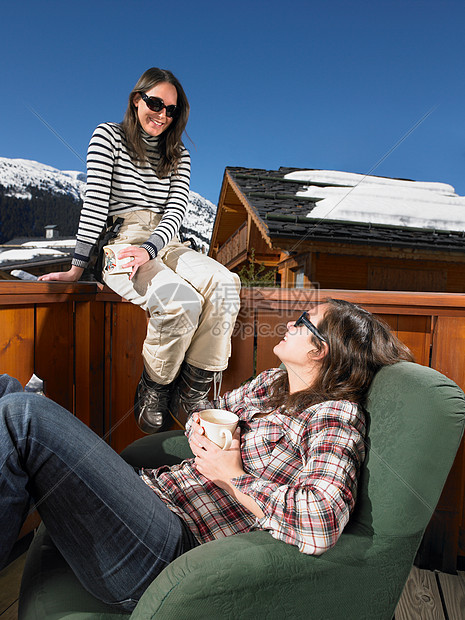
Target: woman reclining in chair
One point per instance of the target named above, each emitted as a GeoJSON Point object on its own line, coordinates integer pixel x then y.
{"type": "Point", "coordinates": [291, 469]}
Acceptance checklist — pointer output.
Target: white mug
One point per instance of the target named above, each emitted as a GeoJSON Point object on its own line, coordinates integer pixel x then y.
{"type": "Point", "coordinates": [219, 426]}
{"type": "Point", "coordinates": [111, 263]}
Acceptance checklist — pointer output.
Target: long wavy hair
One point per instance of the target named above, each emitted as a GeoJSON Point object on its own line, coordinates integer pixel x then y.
{"type": "Point", "coordinates": [170, 141]}
{"type": "Point", "coordinates": [359, 345]}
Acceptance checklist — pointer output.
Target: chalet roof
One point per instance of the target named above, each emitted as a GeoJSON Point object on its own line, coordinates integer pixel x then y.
{"type": "Point", "coordinates": [55, 242]}
{"type": "Point", "coordinates": [24, 252]}
{"type": "Point", "coordinates": [288, 202]}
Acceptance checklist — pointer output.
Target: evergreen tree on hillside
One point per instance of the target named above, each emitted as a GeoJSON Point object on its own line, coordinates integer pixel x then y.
{"type": "Point", "coordinates": [23, 217]}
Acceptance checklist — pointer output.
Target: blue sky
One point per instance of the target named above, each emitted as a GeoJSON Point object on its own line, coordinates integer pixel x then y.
{"type": "Point", "coordinates": [361, 86]}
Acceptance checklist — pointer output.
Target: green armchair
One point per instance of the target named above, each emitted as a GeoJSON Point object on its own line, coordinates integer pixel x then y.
{"type": "Point", "coordinates": [416, 421]}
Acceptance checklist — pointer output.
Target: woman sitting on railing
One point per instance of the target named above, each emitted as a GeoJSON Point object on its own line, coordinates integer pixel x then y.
{"type": "Point", "coordinates": [292, 467]}
{"type": "Point", "coordinates": [137, 196]}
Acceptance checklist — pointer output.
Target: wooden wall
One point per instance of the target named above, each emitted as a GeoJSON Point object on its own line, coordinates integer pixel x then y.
{"type": "Point", "coordinates": [386, 274]}
{"type": "Point", "coordinates": [86, 345]}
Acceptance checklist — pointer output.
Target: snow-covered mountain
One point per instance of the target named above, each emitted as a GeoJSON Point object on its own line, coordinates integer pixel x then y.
{"type": "Point", "coordinates": [199, 220]}
{"type": "Point", "coordinates": [19, 176]}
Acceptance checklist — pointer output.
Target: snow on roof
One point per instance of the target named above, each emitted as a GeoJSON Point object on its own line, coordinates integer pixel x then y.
{"type": "Point", "coordinates": [8, 256]}
{"type": "Point", "coordinates": [50, 243]}
{"type": "Point", "coordinates": [380, 200]}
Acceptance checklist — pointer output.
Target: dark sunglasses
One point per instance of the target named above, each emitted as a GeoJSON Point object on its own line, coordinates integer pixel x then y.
{"type": "Point", "coordinates": [304, 320]}
{"type": "Point", "coordinates": [156, 105]}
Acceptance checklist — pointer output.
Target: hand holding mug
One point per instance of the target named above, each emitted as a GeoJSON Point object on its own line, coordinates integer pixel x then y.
{"type": "Point", "coordinates": [219, 426]}
{"type": "Point", "coordinates": [218, 463]}
{"type": "Point", "coordinates": [124, 258]}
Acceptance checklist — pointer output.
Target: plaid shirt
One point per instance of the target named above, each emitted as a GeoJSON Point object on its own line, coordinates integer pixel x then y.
{"type": "Point", "coordinates": [301, 470]}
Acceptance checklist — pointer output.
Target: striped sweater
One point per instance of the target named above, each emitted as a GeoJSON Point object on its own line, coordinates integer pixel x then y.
{"type": "Point", "coordinates": [116, 185]}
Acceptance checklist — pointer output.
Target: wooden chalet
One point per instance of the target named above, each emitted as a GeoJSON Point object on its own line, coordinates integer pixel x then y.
{"type": "Point", "coordinates": [265, 211]}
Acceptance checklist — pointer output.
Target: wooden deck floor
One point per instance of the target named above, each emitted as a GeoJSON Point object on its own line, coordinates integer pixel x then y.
{"type": "Point", "coordinates": [432, 595]}
{"type": "Point", "coordinates": [10, 581]}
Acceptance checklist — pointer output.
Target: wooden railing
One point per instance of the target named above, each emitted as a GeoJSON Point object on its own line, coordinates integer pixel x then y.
{"type": "Point", "coordinates": [234, 246]}
{"type": "Point", "coordinates": [86, 343]}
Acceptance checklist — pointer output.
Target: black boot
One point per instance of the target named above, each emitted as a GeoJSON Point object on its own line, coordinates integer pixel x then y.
{"type": "Point", "coordinates": [151, 404]}
{"type": "Point", "coordinates": [191, 390]}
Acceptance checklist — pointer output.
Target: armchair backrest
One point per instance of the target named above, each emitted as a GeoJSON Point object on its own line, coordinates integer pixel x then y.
{"type": "Point", "coordinates": [416, 418]}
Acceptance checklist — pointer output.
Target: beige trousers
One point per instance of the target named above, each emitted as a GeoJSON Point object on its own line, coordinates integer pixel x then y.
{"type": "Point", "coordinates": [192, 302]}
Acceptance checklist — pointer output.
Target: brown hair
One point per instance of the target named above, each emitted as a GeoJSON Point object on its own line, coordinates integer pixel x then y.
{"type": "Point", "coordinates": [170, 143]}
{"type": "Point", "coordinates": [359, 345]}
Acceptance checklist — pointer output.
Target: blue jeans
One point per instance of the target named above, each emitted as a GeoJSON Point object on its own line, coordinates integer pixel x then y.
{"type": "Point", "coordinates": [111, 528]}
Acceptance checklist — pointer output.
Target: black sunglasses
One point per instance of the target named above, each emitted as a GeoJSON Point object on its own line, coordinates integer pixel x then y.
{"type": "Point", "coordinates": [304, 320]}
{"type": "Point", "coordinates": [156, 105]}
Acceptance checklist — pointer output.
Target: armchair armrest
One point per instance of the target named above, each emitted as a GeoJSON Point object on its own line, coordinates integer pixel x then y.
{"type": "Point", "coordinates": [221, 579]}
{"type": "Point", "coordinates": [252, 575]}
{"type": "Point", "coordinates": [153, 451]}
